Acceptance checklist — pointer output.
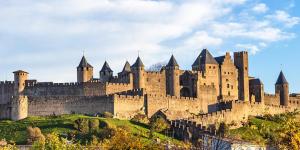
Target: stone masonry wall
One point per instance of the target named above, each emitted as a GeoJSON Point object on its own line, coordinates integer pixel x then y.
{"type": "Point", "coordinates": [240, 111]}
{"type": "Point", "coordinates": [48, 105]}
{"type": "Point", "coordinates": [6, 91]}
{"type": "Point", "coordinates": [294, 101]}
{"type": "Point", "coordinates": [155, 82]}
{"type": "Point", "coordinates": [5, 111]}
{"type": "Point", "coordinates": [111, 88]}
{"type": "Point", "coordinates": [271, 99]}
{"type": "Point", "coordinates": [127, 106]}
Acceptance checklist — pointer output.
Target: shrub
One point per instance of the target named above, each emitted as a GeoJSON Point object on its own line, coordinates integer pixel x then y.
{"type": "Point", "coordinates": [223, 129]}
{"type": "Point", "coordinates": [53, 142]}
{"type": "Point", "coordinates": [82, 125]}
{"type": "Point", "coordinates": [34, 134]}
{"type": "Point", "coordinates": [108, 115]}
{"type": "Point", "coordinates": [158, 124]}
{"type": "Point", "coordinates": [140, 118]}
{"type": "Point", "coordinates": [94, 125]}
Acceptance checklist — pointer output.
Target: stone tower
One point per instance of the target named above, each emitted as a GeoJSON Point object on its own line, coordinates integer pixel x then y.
{"type": "Point", "coordinates": [84, 71]}
{"type": "Point", "coordinates": [209, 67]}
{"type": "Point", "coordinates": [138, 70]}
{"type": "Point", "coordinates": [19, 103]}
{"type": "Point", "coordinates": [241, 62]}
{"type": "Point", "coordinates": [257, 90]}
{"type": "Point", "coordinates": [19, 81]}
{"type": "Point", "coordinates": [172, 77]}
{"type": "Point", "coordinates": [106, 73]}
{"type": "Point", "coordinates": [282, 88]}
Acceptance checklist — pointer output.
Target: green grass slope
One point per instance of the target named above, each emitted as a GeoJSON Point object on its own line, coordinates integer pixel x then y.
{"type": "Point", "coordinates": [16, 130]}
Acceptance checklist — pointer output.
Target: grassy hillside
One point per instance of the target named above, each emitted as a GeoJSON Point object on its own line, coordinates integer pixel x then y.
{"type": "Point", "coordinates": [278, 129]}
{"type": "Point", "coordinates": [16, 130]}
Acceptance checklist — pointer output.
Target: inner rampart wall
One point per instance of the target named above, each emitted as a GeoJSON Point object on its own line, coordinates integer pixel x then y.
{"type": "Point", "coordinates": [271, 99]}
{"type": "Point", "coordinates": [155, 82]}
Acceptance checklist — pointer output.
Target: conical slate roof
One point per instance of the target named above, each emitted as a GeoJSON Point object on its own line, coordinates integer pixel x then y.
{"type": "Point", "coordinates": [106, 68]}
{"type": "Point", "coordinates": [127, 67]}
{"type": "Point", "coordinates": [281, 79]}
{"type": "Point", "coordinates": [84, 63]}
{"type": "Point", "coordinates": [172, 62]}
{"type": "Point", "coordinates": [138, 63]}
{"type": "Point", "coordinates": [205, 58]}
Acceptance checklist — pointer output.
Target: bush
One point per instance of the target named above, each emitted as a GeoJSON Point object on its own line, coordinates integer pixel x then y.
{"type": "Point", "coordinates": [140, 118]}
{"type": "Point", "coordinates": [82, 125]}
{"type": "Point", "coordinates": [158, 124]}
{"type": "Point", "coordinates": [34, 134]}
{"type": "Point", "coordinates": [108, 115]}
{"type": "Point", "coordinates": [53, 142]}
{"type": "Point", "coordinates": [94, 125]}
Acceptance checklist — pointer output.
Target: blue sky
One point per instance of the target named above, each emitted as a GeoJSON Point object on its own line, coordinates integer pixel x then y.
{"type": "Point", "coordinates": [47, 38]}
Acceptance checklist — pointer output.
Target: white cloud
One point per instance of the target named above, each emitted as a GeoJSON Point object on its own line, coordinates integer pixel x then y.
{"type": "Point", "coordinates": [201, 39]}
{"type": "Point", "coordinates": [251, 30]}
{"type": "Point", "coordinates": [250, 47]}
{"type": "Point", "coordinates": [115, 30]}
{"type": "Point", "coordinates": [260, 8]}
{"type": "Point", "coordinates": [285, 18]}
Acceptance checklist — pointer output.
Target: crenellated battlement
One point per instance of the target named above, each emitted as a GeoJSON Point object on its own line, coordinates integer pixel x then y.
{"type": "Point", "coordinates": [271, 95]}
{"type": "Point", "coordinates": [153, 73]}
{"type": "Point", "coordinates": [6, 82]}
{"type": "Point", "coordinates": [116, 84]}
{"type": "Point", "coordinates": [171, 97]}
{"type": "Point", "coordinates": [127, 97]}
{"type": "Point", "coordinates": [133, 92]}
{"type": "Point", "coordinates": [51, 84]}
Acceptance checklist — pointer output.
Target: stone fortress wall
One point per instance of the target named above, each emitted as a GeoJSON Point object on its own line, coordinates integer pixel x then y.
{"type": "Point", "coordinates": [207, 94]}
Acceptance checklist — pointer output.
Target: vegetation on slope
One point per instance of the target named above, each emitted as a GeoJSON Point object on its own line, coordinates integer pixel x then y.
{"type": "Point", "coordinates": [65, 126]}
{"type": "Point", "coordinates": [281, 131]}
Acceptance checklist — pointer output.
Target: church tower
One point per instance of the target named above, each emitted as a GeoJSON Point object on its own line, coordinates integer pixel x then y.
{"type": "Point", "coordinates": [138, 70]}
{"type": "Point", "coordinates": [84, 71]}
{"type": "Point", "coordinates": [241, 62]}
{"type": "Point", "coordinates": [106, 73]}
{"type": "Point", "coordinates": [282, 88]}
{"type": "Point", "coordinates": [172, 77]}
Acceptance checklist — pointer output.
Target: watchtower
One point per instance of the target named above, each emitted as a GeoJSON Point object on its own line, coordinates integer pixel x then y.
{"type": "Point", "coordinates": [282, 88]}
{"type": "Point", "coordinates": [84, 71]}
{"type": "Point", "coordinates": [172, 77]}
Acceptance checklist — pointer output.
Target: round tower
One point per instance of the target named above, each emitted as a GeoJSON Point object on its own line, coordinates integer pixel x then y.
{"type": "Point", "coordinates": [138, 70]}
{"type": "Point", "coordinates": [282, 88]}
{"type": "Point", "coordinates": [19, 103]}
{"type": "Point", "coordinates": [172, 77]}
{"type": "Point", "coordinates": [19, 81]}
{"type": "Point", "coordinates": [84, 71]}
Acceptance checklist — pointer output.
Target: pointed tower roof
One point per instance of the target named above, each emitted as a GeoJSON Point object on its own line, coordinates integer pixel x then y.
{"type": "Point", "coordinates": [205, 58]}
{"type": "Point", "coordinates": [106, 67]}
{"type": "Point", "coordinates": [126, 67]}
{"type": "Point", "coordinates": [172, 62]}
{"type": "Point", "coordinates": [281, 79]}
{"type": "Point", "coordinates": [84, 63]}
{"type": "Point", "coordinates": [138, 63]}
